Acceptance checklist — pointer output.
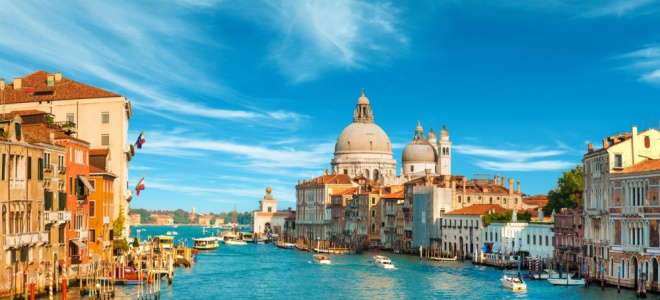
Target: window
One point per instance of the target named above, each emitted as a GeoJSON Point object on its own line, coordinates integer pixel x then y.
{"type": "Point", "coordinates": [29, 168]}
{"type": "Point", "coordinates": [60, 162]}
{"type": "Point", "coordinates": [373, 200]}
{"type": "Point", "coordinates": [491, 200]}
{"type": "Point", "coordinates": [270, 209]}
{"type": "Point", "coordinates": [92, 235]}
{"type": "Point", "coordinates": [70, 185]}
{"type": "Point", "coordinates": [105, 117]}
{"type": "Point", "coordinates": [618, 161]}
{"type": "Point", "coordinates": [3, 165]}
{"type": "Point", "coordinates": [92, 182]}
{"type": "Point", "coordinates": [516, 201]}
{"type": "Point", "coordinates": [105, 139]}
{"type": "Point", "coordinates": [528, 240]}
{"type": "Point", "coordinates": [69, 118]}
{"type": "Point", "coordinates": [60, 234]}
{"type": "Point", "coordinates": [468, 199]}
{"type": "Point", "coordinates": [412, 168]}
{"type": "Point", "coordinates": [504, 201]}
{"type": "Point", "coordinates": [459, 199]}
{"type": "Point", "coordinates": [373, 227]}
{"type": "Point", "coordinates": [46, 160]}
{"type": "Point", "coordinates": [546, 240]}
{"type": "Point", "coordinates": [92, 208]}
{"type": "Point", "coordinates": [373, 212]}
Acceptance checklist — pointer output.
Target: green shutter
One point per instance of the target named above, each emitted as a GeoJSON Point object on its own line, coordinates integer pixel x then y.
{"type": "Point", "coordinates": [3, 166]}
{"type": "Point", "coordinates": [48, 200]}
{"type": "Point", "coordinates": [40, 161]}
{"type": "Point", "coordinates": [62, 199]}
{"type": "Point", "coordinates": [70, 186]}
{"type": "Point", "coordinates": [29, 168]}
{"type": "Point", "coordinates": [18, 130]}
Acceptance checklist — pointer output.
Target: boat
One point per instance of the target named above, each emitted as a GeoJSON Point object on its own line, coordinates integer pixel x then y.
{"type": "Point", "coordinates": [548, 274]}
{"type": "Point", "coordinates": [444, 258]}
{"type": "Point", "coordinates": [248, 237]}
{"type": "Point", "coordinates": [207, 243]}
{"type": "Point", "coordinates": [568, 281]}
{"type": "Point", "coordinates": [235, 242]}
{"type": "Point", "coordinates": [321, 259]}
{"type": "Point", "coordinates": [166, 243]}
{"type": "Point", "coordinates": [513, 283]}
{"type": "Point", "coordinates": [285, 246]}
{"type": "Point", "coordinates": [128, 276]}
{"type": "Point", "coordinates": [231, 238]}
{"type": "Point", "coordinates": [383, 262]}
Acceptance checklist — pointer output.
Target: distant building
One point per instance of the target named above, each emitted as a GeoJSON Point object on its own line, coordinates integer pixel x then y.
{"type": "Point", "coordinates": [461, 229]}
{"type": "Point", "coordinates": [569, 235]}
{"type": "Point", "coordinates": [313, 200]}
{"type": "Point", "coordinates": [219, 222]}
{"type": "Point", "coordinates": [135, 219]}
{"type": "Point", "coordinates": [204, 220]}
{"type": "Point", "coordinates": [268, 221]}
{"type": "Point", "coordinates": [507, 238]}
{"type": "Point", "coordinates": [163, 219]}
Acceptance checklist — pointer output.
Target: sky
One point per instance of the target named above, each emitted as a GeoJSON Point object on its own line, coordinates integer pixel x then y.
{"type": "Point", "coordinates": [237, 96]}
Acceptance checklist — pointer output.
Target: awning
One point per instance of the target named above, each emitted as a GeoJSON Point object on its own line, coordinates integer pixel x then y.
{"type": "Point", "coordinates": [79, 244]}
{"type": "Point", "coordinates": [86, 183]}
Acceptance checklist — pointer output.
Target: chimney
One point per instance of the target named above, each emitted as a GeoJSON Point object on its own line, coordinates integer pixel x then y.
{"type": "Point", "coordinates": [18, 83]}
{"type": "Point", "coordinates": [605, 143]}
{"type": "Point", "coordinates": [359, 189]}
{"type": "Point", "coordinates": [50, 80]}
{"type": "Point", "coordinates": [503, 181]}
{"type": "Point", "coordinates": [518, 189]}
{"type": "Point", "coordinates": [591, 148]}
{"type": "Point", "coordinates": [52, 135]}
{"type": "Point", "coordinates": [511, 185]}
{"type": "Point", "coordinates": [58, 76]}
{"type": "Point", "coordinates": [2, 84]}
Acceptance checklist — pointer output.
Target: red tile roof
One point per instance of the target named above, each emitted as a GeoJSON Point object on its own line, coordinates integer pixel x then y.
{"type": "Point", "coordinates": [478, 209]}
{"type": "Point", "coordinates": [397, 195]}
{"type": "Point", "coordinates": [34, 87]}
{"type": "Point", "coordinates": [329, 179]}
{"type": "Point", "coordinates": [645, 166]}
{"type": "Point", "coordinates": [101, 151]}
{"type": "Point", "coordinates": [29, 112]}
{"type": "Point", "coordinates": [36, 133]}
{"type": "Point", "coordinates": [339, 191]}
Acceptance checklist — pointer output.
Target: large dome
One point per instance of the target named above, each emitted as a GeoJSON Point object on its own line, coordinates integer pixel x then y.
{"type": "Point", "coordinates": [361, 138]}
{"type": "Point", "coordinates": [418, 150]}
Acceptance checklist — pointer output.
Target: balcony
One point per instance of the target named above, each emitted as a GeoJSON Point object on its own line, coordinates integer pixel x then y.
{"type": "Point", "coordinates": [50, 217]}
{"type": "Point", "coordinates": [106, 220]}
{"type": "Point", "coordinates": [633, 212]}
{"type": "Point", "coordinates": [81, 234]}
{"type": "Point", "coordinates": [22, 239]}
{"type": "Point", "coordinates": [594, 213]}
{"type": "Point", "coordinates": [633, 248]}
{"type": "Point", "coordinates": [106, 244]}
{"type": "Point", "coordinates": [63, 216]}
{"type": "Point", "coordinates": [390, 229]}
{"type": "Point", "coordinates": [48, 168]}
{"type": "Point", "coordinates": [391, 213]}
{"type": "Point", "coordinates": [407, 227]}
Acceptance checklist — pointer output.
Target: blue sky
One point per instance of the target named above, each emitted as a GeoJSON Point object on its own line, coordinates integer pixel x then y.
{"type": "Point", "coordinates": [235, 96]}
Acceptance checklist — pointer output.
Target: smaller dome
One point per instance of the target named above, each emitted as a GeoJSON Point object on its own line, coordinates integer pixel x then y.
{"type": "Point", "coordinates": [363, 99]}
{"type": "Point", "coordinates": [444, 132]}
{"type": "Point", "coordinates": [431, 134]}
{"type": "Point", "coordinates": [418, 151]}
{"type": "Point", "coordinates": [419, 128]}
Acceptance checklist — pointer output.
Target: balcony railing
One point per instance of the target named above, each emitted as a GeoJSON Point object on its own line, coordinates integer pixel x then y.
{"type": "Point", "coordinates": [106, 220]}
{"type": "Point", "coordinates": [63, 216]}
{"type": "Point", "coordinates": [390, 229]}
{"type": "Point", "coordinates": [390, 213]}
{"type": "Point", "coordinates": [407, 227]}
{"type": "Point", "coordinates": [633, 248]}
{"type": "Point", "coordinates": [594, 213]}
{"type": "Point", "coordinates": [633, 212]}
{"type": "Point", "coordinates": [21, 239]}
{"type": "Point", "coordinates": [81, 234]}
{"type": "Point", "coordinates": [50, 216]}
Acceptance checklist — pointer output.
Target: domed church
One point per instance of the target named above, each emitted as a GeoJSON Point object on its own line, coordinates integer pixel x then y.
{"type": "Point", "coordinates": [425, 153]}
{"type": "Point", "coordinates": [363, 148]}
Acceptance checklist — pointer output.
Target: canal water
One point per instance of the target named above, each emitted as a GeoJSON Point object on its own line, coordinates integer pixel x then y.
{"type": "Point", "coordinates": [266, 272]}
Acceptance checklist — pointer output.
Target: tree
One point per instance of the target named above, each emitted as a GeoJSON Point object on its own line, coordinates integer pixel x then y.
{"type": "Point", "coordinates": [145, 215]}
{"type": "Point", "coordinates": [181, 216]}
{"type": "Point", "coordinates": [136, 243]}
{"type": "Point", "coordinates": [564, 195]}
{"type": "Point", "coordinates": [505, 217]}
{"type": "Point", "coordinates": [118, 224]}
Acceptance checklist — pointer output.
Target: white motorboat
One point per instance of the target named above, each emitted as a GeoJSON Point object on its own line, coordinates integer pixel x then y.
{"type": "Point", "coordinates": [513, 283]}
{"type": "Point", "coordinates": [567, 281]}
{"type": "Point", "coordinates": [207, 243]}
{"type": "Point", "coordinates": [234, 242]}
{"type": "Point", "coordinates": [550, 274]}
{"type": "Point", "coordinates": [321, 259]}
{"type": "Point", "coordinates": [383, 262]}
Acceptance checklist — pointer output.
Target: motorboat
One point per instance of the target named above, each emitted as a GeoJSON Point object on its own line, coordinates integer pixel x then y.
{"type": "Point", "coordinates": [513, 283]}
{"type": "Point", "coordinates": [248, 237]}
{"type": "Point", "coordinates": [234, 242]}
{"type": "Point", "coordinates": [206, 243]}
{"type": "Point", "coordinates": [383, 262]}
{"type": "Point", "coordinates": [548, 274]}
{"type": "Point", "coordinates": [567, 281]}
{"type": "Point", "coordinates": [321, 259]}
{"type": "Point", "coordinates": [166, 243]}
{"type": "Point", "coordinates": [285, 246]}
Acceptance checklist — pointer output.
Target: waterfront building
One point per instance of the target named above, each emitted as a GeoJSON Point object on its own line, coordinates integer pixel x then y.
{"type": "Point", "coordinates": [25, 241]}
{"type": "Point", "coordinates": [204, 220]}
{"type": "Point", "coordinates": [78, 188]}
{"type": "Point", "coordinates": [94, 115]}
{"type": "Point", "coordinates": [363, 214]}
{"type": "Point", "coordinates": [290, 226]}
{"type": "Point", "coordinates": [461, 229]}
{"type": "Point", "coordinates": [569, 236]}
{"type": "Point", "coordinates": [392, 206]}
{"type": "Point", "coordinates": [364, 149]}
{"type": "Point", "coordinates": [219, 222]}
{"type": "Point", "coordinates": [425, 153]}
{"type": "Point", "coordinates": [507, 238]}
{"type": "Point", "coordinates": [634, 218]}
{"type": "Point", "coordinates": [339, 213]}
{"type": "Point", "coordinates": [313, 200]}
{"type": "Point", "coordinates": [268, 221]}
{"type": "Point", "coordinates": [618, 152]}
{"type": "Point", "coordinates": [101, 206]}
{"type": "Point", "coordinates": [163, 219]}
{"type": "Point", "coordinates": [134, 219]}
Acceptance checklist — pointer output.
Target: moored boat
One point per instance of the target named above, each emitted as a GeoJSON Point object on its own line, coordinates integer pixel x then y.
{"type": "Point", "coordinates": [567, 281]}
{"type": "Point", "coordinates": [513, 283]}
{"type": "Point", "coordinates": [285, 246]}
{"type": "Point", "coordinates": [235, 242]}
{"type": "Point", "coordinates": [548, 274]}
{"type": "Point", "coordinates": [207, 243]}
{"type": "Point", "coordinates": [321, 259]}
{"type": "Point", "coordinates": [383, 262]}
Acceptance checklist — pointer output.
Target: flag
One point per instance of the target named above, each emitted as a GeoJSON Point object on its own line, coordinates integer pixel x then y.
{"type": "Point", "coordinates": [140, 140]}
{"type": "Point", "coordinates": [139, 186]}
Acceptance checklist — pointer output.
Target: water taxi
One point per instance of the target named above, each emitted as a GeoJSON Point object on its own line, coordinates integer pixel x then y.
{"type": "Point", "coordinates": [207, 243]}
{"type": "Point", "coordinates": [248, 237]}
{"type": "Point", "coordinates": [567, 281]}
{"type": "Point", "coordinates": [513, 283]}
{"type": "Point", "coordinates": [321, 259]}
{"type": "Point", "coordinates": [166, 243]}
{"type": "Point", "coordinates": [383, 262]}
{"type": "Point", "coordinates": [548, 274]}
{"type": "Point", "coordinates": [235, 242]}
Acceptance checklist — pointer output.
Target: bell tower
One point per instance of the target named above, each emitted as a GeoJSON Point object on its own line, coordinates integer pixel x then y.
{"type": "Point", "coordinates": [444, 153]}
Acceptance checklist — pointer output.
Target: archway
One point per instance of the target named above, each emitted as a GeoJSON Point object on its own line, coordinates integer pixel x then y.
{"type": "Point", "coordinates": [633, 263]}
{"type": "Point", "coordinates": [376, 174]}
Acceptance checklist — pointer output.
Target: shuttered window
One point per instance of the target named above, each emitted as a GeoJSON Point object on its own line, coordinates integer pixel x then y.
{"type": "Point", "coordinates": [29, 168]}
{"type": "Point", "coordinates": [40, 161]}
{"type": "Point", "coordinates": [3, 165]}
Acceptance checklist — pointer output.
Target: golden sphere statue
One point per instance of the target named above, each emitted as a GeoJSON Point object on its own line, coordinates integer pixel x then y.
{"type": "Point", "coordinates": [268, 190]}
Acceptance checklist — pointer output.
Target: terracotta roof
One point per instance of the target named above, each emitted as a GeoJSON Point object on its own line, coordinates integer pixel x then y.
{"type": "Point", "coordinates": [339, 191]}
{"type": "Point", "coordinates": [102, 151]}
{"type": "Point", "coordinates": [539, 203]}
{"type": "Point", "coordinates": [397, 195]}
{"type": "Point", "coordinates": [36, 133]}
{"type": "Point", "coordinates": [34, 87]}
{"type": "Point", "coordinates": [29, 112]}
{"type": "Point", "coordinates": [478, 209]}
{"type": "Point", "coordinates": [329, 179]}
{"type": "Point", "coordinates": [645, 166]}
{"type": "Point", "coordinates": [93, 169]}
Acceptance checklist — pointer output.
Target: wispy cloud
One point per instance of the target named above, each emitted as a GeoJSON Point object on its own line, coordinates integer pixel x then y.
{"type": "Point", "coordinates": [317, 36]}
{"type": "Point", "coordinates": [515, 160]}
{"type": "Point", "coordinates": [617, 8]}
{"type": "Point", "coordinates": [646, 63]}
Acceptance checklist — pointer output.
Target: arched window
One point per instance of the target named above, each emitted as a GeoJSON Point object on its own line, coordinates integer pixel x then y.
{"type": "Point", "coordinates": [373, 227]}
{"type": "Point", "coordinates": [376, 175]}
{"type": "Point", "coordinates": [373, 213]}
{"type": "Point", "coordinates": [504, 201]}
{"type": "Point", "coordinates": [412, 168]}
{"type": "Point", "coordinates": [516, 201]}
{"type": "Point", "coordinates": [459, 199]}
{"type": "Point", "coordinates": [468, 199]}
{"type": "Point", "coordinates": [491, 200]}
{"type": "Point", "coordinates": [366, 173]}
{"type": "Point", "coordinates": [345, 172]}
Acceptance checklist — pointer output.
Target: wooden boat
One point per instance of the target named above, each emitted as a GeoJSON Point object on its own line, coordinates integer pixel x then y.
{"type": "Point", "coordinates": [285, 246]}
{"type": "Point", "coordinates": [128, 276]}
{"type": "Point", "coordinates": [514, 283]}
{"type": "Point", "coordinates": [383, 262]}
{"type": "Point", "coordinates": [232, 238]}
{"type": "Point", "coordinates": [207, 243]}
{"type": "Point", "coordinates": [444, 258]}
{"type": "Point", "coordinates": [321, 259]}
{"type": "Point", "coordinates": [568, 281]}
